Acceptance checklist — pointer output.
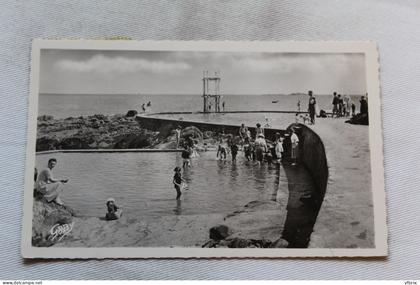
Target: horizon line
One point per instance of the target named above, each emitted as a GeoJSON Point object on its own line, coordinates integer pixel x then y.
{"type": "Point", "coordinates": [198, 94]}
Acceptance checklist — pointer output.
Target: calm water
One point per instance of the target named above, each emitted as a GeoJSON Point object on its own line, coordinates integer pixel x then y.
{"type": "Point", "coordinates": [62, 106]}
{"type": "Point", "coordinates": [141, 183]}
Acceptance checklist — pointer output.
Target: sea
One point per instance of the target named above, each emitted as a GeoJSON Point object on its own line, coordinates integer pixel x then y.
{"type": "Point", "coordinates": [75, 105]}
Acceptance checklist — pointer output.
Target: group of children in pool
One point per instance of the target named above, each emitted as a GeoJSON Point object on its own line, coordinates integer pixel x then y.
{"type": "Point", "coordinates": [258, 150]}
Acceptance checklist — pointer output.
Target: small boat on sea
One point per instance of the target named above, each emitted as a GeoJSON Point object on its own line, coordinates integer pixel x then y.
{"type": "Point", "coordinates": [275, 101]}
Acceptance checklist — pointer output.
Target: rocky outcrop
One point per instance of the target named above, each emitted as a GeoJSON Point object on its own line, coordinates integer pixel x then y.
{"type": "Point", "coordinates": [46, 218]}
{"type": "Point", "coordinates": [93, 132]}
{"type": "Point", "coordinates": [219, 232]}
{"type": "Point", "coordinates": [115, 132]}
{"type": "Point", "coordinates": [257, 225]}
{"type": "Point", "coordinates": [219, 237]}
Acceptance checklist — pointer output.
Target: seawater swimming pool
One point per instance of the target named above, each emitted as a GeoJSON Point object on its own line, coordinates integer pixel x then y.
{"type": "Point", "coordinates": [142, 185]}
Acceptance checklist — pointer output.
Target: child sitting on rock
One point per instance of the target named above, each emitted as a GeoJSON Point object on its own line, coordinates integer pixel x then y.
{"type": "Point", "coordinates": [114, 212]}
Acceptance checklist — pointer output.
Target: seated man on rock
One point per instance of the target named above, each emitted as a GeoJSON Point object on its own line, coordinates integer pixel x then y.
{"type": "Point", "coordinates": [49, 187]}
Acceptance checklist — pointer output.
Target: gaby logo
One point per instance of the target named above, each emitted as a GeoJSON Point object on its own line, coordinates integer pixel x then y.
{"type": "Point", "coordinates": [59, 231]}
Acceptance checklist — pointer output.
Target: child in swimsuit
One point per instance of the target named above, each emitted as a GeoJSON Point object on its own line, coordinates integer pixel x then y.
{"type": "Point", "coordinates": [177, 181]}
{"type": "Point", "coordinates": [114, 212]}
{"type": "Point", "coordinates": [186, 157]}
{"type": "Point", "coordinates": [222, 151]}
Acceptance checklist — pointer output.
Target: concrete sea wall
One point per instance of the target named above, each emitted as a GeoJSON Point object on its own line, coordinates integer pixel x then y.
{"type": "Point", "coordinates": [313, 156]}
{"type": "Point", "coordinates": [166, 126]}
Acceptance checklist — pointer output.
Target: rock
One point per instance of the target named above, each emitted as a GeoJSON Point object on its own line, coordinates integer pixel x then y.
{"type": "Point", "coordinates": [103, 145]}
{"type": "Point", "coordinates": [140, 140]}
{"type": "Point", "coordinates": [208, 134]}
{"type": "Point", "coordinates": [239, 243]}
{"type": "Point", "coordinates": [262, 243]}
{"type": "Point", "coordinates": [359, 119]}
{"type": "Point", "coordinates": [89, 132]}
{"type": "Point", "coordinates": [93, 145]}
{"type": "Point", "coordinates": [280, 243]}
{"type": "Point", "coordinates": [209, 244]}
{"type": "Point", "coordinates": [193, 132]}
{"type": "Point", "coordinates": [73, 143]}
{"type": "Point", "coordinates": [219, 232]}
{"type": "Point", "coordinates": [131, 113]}
{"type": "Point", "coordinates": [47, 143]}
{"type": "Point", "coordinates": [45, 216]}
{"type": "Point", "coordinates": [99, 116]}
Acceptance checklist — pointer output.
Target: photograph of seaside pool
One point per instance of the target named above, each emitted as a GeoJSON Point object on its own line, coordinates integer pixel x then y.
{"type": "Point", "coordinates": [202, 149]}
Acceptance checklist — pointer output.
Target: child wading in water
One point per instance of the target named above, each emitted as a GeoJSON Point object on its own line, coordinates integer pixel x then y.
{"type": "Point", "coordinates": [222, 150]}
{"type": "Point", "coordinates": [178, 182]}
{"type": "Point", "coordinates": [234, 150]}
{"type": "Point", "coordinates": [279, 149]}
{"type": "Point", "coordinates": [114, 212]}
{"type": "Point", "coordinates": [185, 157]}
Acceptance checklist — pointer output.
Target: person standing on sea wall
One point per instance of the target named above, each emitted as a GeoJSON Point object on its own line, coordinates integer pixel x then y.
{"type": "Point", "coordinates": [48, 186]}
{"type": "Point", "coordinates": [363, 106]}
{"type": "Point", "coordinates": [335, 105]}
{"type": "Point", "coordinates": [340, 105]}
{"type": "Point", "coordinates": [311, 107]}
{"type": "Point", "coordinates": [294, 139]}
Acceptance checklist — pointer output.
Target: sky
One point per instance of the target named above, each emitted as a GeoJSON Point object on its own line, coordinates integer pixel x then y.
{"type": "Point", "coordinates": [180, 72]}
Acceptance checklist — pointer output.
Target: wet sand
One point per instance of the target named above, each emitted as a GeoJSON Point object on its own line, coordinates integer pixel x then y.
{"type": "Point", "coordinates": [257, 220]}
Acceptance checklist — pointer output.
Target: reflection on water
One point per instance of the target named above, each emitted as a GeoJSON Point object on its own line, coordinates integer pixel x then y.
{"type": "Point", "coordinates": [141, 183]}
{"type": "Point", "coordinates": [178, 209]}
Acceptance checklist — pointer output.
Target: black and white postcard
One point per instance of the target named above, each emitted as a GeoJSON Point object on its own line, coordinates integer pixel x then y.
{"type": "Point", "coordinates": [204, 149]}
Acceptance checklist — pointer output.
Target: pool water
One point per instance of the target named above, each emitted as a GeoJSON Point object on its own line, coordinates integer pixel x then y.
{"type": "Point", "coordinates": [141, 183]}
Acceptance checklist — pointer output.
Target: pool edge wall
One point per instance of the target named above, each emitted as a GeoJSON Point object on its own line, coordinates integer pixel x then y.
{"type": "Point", "coordinates": [166, 126]}
{"type": "Point", "coordinates": [312, 154]}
